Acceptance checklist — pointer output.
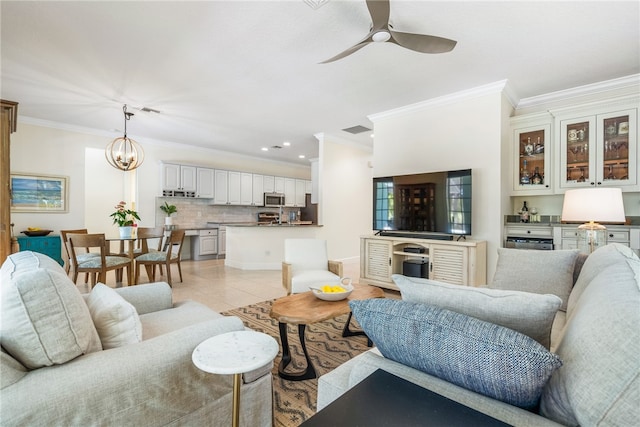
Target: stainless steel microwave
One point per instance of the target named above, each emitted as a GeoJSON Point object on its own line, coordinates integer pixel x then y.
{"type": "Point", "coordinates": [273, 200]}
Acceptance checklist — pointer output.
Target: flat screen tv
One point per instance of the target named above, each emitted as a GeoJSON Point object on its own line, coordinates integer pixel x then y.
{"type": "Point", "coordinates": [430, 204]}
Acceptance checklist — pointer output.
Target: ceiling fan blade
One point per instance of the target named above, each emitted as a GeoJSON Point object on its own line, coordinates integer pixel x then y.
{"type": "Point", "coordinates": [421, 42]}
{"type": "Point", "coordinates": [349, 51]}
{"type": "Point", "coordinates": [379, 11]}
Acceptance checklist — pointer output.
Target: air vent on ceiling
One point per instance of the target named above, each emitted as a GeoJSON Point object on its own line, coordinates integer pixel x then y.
{"type": "Point", "coordinates": [149, 110]}
{"type": "Point", "coordinates": [357, 129]}
{"type": "Point", "coordinates": [276, 147]}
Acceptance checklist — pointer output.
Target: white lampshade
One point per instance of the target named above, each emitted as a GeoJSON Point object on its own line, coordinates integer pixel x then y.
{"type": "Point", "coordinates": [593, 204]}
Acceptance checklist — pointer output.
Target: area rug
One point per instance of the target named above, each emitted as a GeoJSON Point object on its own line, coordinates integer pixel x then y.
{"type": "Point", "coordinates": [295, 401]}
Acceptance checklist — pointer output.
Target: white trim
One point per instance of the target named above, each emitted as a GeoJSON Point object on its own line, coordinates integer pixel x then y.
{"type": "Point", "coordinates": [632, 81]}
{"type": "Point", "coordinates": [490, 88]}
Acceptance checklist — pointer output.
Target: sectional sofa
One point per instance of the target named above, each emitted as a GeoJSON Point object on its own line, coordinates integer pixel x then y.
{"type": "Point", "coordinates": [113, 357]}
{"type": "Point", "coordinates": [473, 345]}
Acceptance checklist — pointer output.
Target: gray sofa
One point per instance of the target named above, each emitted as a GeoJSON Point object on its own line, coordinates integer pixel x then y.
{"type": "Point", "coordinates": [54, 370]}
{"type": "Point", "coordinates": [597, 339]}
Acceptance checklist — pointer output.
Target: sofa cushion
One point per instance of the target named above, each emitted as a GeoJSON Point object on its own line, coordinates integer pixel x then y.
{"type": "Point", "coordinates": [115, 319]}
{"type": "Point", "coordinates": [45, 320]}
{"type": "Point", "coordinates": [599, 383]}
{"type": "Point", "coordinates": [528, 313]}
{"type": "Point", "coordinates": [11, 371]}
{"type": "Point", "coordinates": [541, 272]}
{"type": "Point", "coordinates": [24, 261]}
{"type": "Point", "coordinates": [480, 356]}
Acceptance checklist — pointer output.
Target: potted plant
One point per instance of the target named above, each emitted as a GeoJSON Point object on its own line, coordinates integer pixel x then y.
{"type": "Point", "coordinates": [168, 209]}
{"type": "Point", "coordinates": [125, 218]}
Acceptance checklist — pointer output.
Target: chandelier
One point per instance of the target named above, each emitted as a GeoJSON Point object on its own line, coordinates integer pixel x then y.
{"type": "Point", "coordinates": [124, 153]}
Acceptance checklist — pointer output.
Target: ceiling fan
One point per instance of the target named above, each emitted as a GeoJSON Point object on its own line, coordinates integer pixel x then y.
{"type": "Point", "coordinates": [382, 31]}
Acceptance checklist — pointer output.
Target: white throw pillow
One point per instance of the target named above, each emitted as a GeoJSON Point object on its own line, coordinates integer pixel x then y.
{"type": "Point", "coordinates": [528, 313]}
{"type": "Point", "coordinates": [116, 320]}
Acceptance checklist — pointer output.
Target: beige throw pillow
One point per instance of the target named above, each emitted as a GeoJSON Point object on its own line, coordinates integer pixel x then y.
{"type": "Point", "coordinates": [528, 313]}
{"type": "Point", "coordinates": [115, 319]}
{"type": "Point", "coordinates": [541, 272]}
{"type": "Point", "coordinates": [45, 320]}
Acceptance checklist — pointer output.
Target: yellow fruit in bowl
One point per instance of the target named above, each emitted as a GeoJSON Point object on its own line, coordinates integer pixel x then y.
{"type": "Point", "coordinates": [33, 228]}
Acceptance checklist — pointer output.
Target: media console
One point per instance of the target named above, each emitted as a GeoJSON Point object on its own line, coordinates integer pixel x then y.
{"type": "Point", "coordinates": [456, 262]}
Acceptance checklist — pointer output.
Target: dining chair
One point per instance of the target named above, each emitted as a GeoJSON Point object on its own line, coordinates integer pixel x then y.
{"type": "Point", "coordinates": [306, 263]}
{"type": "Point", "coordinates": [83, 253]}
{"type": "Point", "coordinates": [146, 235]}
{"type": "Point", "coordinates": [171, 254]}
{"type": "Point", "coordinates": [100, 264]}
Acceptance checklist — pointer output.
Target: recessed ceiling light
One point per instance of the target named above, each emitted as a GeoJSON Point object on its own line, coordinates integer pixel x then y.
{"type": "Point", "coordinates": [372, 135]}
{"type": "Point", "coordinates": [286, 143]}
{"type": "Point", "coordinates": [301, 156]}
{"type": "Point", "coordinates": [264, 149]}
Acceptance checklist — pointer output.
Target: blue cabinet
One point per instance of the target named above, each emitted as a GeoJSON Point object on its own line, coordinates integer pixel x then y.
{"type": "Point", "coordinates": [48, 245]}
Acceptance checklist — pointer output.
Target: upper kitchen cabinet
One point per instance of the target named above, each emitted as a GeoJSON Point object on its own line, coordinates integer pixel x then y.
{"type": "Point", "coordinates": [221, 181]}
{"type": "Point", "coordinates": [599, 148]}
{"type": "Point", "coordinates": [269, 184]}
{"type": "Point", "coordinates": [205, 179]}
{"type": "Point", "coordinates": [532, 172]}
{"type": "Point", "coordinates": [258, 189]}
{"type": "Point", "coordinates": [178, 180]}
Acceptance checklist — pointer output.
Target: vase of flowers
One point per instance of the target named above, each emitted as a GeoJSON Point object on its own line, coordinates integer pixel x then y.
{"type": "Point", "coordinates": [126, 219]}
{"type": "Point", "coordinates": [168, 209]}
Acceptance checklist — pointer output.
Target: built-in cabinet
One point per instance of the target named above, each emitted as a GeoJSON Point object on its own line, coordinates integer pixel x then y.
{"type": "Point", "coordinates": [532, 173]}
{"type": "Point", "coordinates": [575, 147]}
{"type": "Point", "coordinates": [221, 185]}
{"type": "Point", "coordinates": [205, 179]}
{"type": "Point", "coordinates": [456, 262]}
{"type": "Point", "coordinates": [598, 149]}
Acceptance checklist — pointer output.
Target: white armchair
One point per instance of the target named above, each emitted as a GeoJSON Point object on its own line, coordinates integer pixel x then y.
{"type": "Point", "coordinates": [306, 263]}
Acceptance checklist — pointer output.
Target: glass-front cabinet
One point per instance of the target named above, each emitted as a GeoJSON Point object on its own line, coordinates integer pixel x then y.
{"type": "Point", "coordinates": [598, 150]}
{"type": "Point", "coordinates": [532, 153]}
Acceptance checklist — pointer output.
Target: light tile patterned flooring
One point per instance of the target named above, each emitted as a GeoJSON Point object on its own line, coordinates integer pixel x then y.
{"type": "Point", "coordinates": [223, 288]}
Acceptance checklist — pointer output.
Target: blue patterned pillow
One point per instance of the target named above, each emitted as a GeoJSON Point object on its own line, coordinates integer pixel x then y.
{"type": "Point", "coordinates": [480, 356]}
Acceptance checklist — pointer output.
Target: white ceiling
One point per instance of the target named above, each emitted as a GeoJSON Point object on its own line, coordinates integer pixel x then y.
{"type": "Point", "coordinates": [241, 75]}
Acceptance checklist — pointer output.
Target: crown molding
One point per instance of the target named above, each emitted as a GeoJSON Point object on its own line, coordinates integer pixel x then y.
{"type": "Point", "coordinates": [622, 83]}
{"type": "Point", "coordinates": [475, 92]}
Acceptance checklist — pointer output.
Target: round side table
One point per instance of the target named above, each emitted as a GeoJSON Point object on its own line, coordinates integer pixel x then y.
{"type": "Point", "coordinates": [234, 353]}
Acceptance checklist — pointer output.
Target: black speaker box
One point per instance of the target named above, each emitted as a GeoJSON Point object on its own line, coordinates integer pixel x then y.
{"type": "Point", "coordinates": [416, 268]}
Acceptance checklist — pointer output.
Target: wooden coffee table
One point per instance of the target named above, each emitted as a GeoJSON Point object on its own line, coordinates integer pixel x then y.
{"type": "Point", "coordinates": [304, 309]}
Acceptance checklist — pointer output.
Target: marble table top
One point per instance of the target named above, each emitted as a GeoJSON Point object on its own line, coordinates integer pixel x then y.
{"type": "Point", "coordinates": [235, 352]}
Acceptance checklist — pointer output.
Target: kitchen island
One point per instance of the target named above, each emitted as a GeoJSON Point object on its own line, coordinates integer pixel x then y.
{"type": "Point", "coordinates": [261, 247]}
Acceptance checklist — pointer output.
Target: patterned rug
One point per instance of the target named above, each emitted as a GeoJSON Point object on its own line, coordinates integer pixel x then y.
{"type": "Point", "coordinates": [295, 401]}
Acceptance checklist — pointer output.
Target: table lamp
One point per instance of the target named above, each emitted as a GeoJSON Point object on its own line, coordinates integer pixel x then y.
{"type": "Point", "coordinates": [591, 205]}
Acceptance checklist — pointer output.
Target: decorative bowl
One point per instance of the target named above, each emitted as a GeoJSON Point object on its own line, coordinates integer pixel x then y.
{"type": "Point", "coordinates": [333, 296]}
{"type": "Point", "coordinates": [36, 233]}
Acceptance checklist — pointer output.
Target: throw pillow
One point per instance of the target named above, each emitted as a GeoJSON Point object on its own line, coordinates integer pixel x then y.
{"type": "Point", "coordinates": [528, 313]}
{"type": "Point", "coordinates": [540, 272]}
{"type": "Point", "coordinates": [45, 320]}
{"type": "Point", "coordinates": [480, 356]}
{"type": "Point", "coordinates": [116, 320]}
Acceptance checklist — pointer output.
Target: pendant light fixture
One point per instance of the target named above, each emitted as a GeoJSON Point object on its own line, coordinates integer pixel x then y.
{"type": "Point", "coordinates": [124, 153]}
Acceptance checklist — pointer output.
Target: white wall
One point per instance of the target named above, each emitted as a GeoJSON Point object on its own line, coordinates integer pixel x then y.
{"type": "Point", "coordinates": [95, 187]}
{"type": "Point", "coordinates": [457, 133]}
{"type": "Point", "coordinates": [345, 196]}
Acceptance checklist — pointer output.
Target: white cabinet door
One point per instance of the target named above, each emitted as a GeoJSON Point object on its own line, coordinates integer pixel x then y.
{"type": "Point", "coordinates": [449, 264]}
{"type": "Point", "coordinates": [377, 260]}
{"type": "Point", "coordinates": [258, 190]}
{"type": "Point", "coordinates": [532, 151]}
{"type": "Point", "coordinates": [246, 189]}
{"type": "Point", "coordinates": [289, 192]}
{"type": "Point", "coordinates": [301, 188]}
{"type": "Point", "coordinates": [308, 187]}
{"type": "Point", "coordinates": [170, 177]}
{"type": "Point", "coordinates": [221, 183]}
{"type": "Point", "coordinates": [279, 184]}
{"type": "Point", "coordinates": [233, 188]}
{"type": "Point", "coordinates": [269, 185]}
{"type": "Point", "coordinates": [205, 182]}
{"type": "Point", "coordinates": [188, 178]}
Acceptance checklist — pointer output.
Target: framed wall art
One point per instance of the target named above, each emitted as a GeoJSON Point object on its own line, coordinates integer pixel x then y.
{"type": "Point", "coordinates": [39, 193]}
